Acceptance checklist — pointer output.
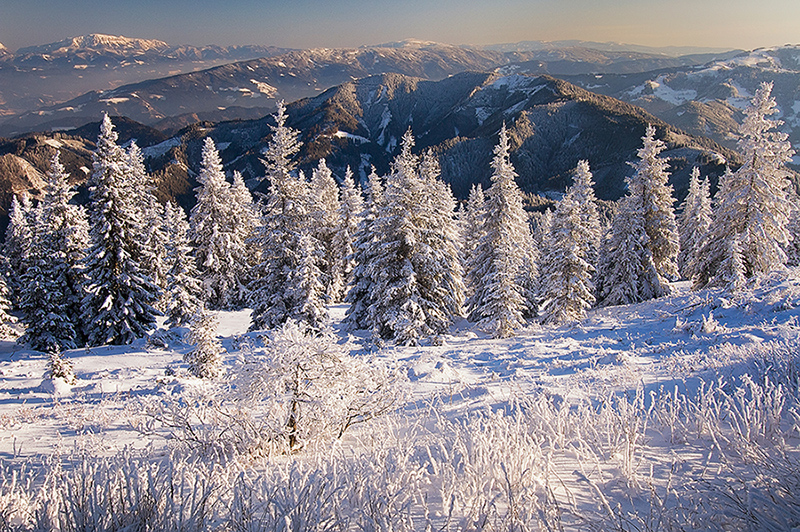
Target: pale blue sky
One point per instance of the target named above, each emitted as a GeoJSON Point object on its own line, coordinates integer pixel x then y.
{"type": "Point", "coordinates": [347, 23]}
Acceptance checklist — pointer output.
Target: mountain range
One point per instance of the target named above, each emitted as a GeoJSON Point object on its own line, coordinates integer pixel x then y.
{"type": "Point", "coordinates": [552, 124]}
{"type": "Point", "coordinates": [40, 76]}
{"type": "Point", "coordinates": [249, 89]}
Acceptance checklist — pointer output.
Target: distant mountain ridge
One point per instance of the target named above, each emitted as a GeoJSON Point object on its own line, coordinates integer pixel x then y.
{"type": "Point", "coordinates": [249, 89]}
{"type": "Point", "coordinates": [96, 42]}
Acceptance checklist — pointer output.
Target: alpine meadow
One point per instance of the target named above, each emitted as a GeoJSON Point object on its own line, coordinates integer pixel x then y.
{"type": "Point", "coordinates": [548, 285]}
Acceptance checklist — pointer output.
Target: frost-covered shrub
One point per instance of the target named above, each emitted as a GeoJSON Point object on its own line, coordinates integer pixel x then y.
{"type": "Point", "coordinates": [307, 385]}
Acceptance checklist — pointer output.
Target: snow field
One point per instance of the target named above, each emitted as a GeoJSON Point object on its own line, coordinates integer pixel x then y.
{"type": "Point", "coordinates": [677, 413]}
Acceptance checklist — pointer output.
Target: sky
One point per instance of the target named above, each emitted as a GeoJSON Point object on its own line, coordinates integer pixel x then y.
{"type": "Point", "coordinates": [350, 23]}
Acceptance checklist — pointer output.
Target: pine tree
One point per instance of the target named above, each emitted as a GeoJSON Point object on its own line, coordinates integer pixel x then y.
{"type": "Point", "coordinates": [285, 239]}
{"type": "Point", "coordinates": [568, 291]}
{"type": "Point", "coordinates": [627, 272]}
{"type": "Point", "coordinates": [220, 246]}
{"type": "Point", "coordinates": [749, 231]}
{"type": "Point", "coordinates": [694, 223]}
{"type": "Point", "coordinates": [351, 211]}
{"type": "Point", "coordinates": [51, 290]}
{"type": "Point", "coordinates": [472, 232]}
{"type": "Point", "coordinates": [118, 305]}
{"type": "Point", "coordinates": [583, 193]}
{"type": "Point", "coordinates": [18, 241]}
{"type": "Point", "coordinates": [500, 301]}
{"type": "Point", "coordinates": [325, 213]}
{"type": "Point", "coordinates": [151, 239]}
{"type": "Point", "coordinates": [246, 219]}
{"type": "Point", "coordinates": [7, 332]}
{"type": "Point", "coordinates": [361, 283]}
{"type": "Point", "coordinates": [184, 289]}
{"type": "Point", "coordinates": [205, 359]}
{"type": "Point", "coordinates": [650, 186]}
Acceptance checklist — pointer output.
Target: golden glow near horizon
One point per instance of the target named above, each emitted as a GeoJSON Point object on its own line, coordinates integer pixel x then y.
{"type": "Point", "coordinates": [349, 23]}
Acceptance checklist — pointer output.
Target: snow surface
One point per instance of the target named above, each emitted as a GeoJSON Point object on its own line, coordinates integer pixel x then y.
{"type": "Point", "coordinates": [667, 343]}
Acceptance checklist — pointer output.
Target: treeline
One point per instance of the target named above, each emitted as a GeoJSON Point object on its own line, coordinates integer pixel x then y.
{"type": "Point", "coordinates": [405, 259]}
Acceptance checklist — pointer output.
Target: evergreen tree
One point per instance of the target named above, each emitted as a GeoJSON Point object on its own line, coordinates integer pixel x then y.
{"type": "Point", "coordinates": [184, 289]}
{"type": "Point", "coordinates": [500, 302]}
{"type": "Point", "coordinates": [6, 320]}
{"type": "Point", "coordinates": [118, 305]}
{"type": "Point", "coordinates": [568, 291]}
{"type": "Point", "coordinates": [51, 290]}
{"type": "Point", "coordinates": [472, 232]}
{"type": "Point", "coordinates": [17, 245]}
{"type": "Point", "coordinates": [220, 246]}
{"type": "Point", "coordinates": [246, 220]}
{"type": "Point", "coordinates": [694, 223]}
{"type": "Point", "coordinates": [628, 274]}
{"type": "Point", "coordinates": [583, 194]}
{"type": "Point", "coordinates": [649, 186]}
{"type": "Point", "coordinates": [749, 232]}
{"type": "Point", "coordinates": [410, 285]}
{"type": "Point", "coordinates": [351, 211]}
{"type": "Point", "coordinates": [285, 238]}
{"type": "Point", "coordinates": [205, 359]}
{"type": "Point", "coordinates": [151, 238]}
{"type": "Point", "coordinates": [361, 282]}
{"type": "Point", "coordinates": [325, 214]}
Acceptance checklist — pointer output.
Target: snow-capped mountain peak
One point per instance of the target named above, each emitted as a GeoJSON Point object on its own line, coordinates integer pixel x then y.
{"type": "Point", "coordinates": [96, 42]}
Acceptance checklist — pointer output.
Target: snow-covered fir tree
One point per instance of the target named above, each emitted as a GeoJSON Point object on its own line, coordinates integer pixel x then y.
{"type": "Point", "coordinates": [583, 193]}
{"type": "Point", "coordinates": [360, 292]}
{"type": "Point", "coordinates": [627, 272]}
{"type": "Point", "coordinates": [16, 248]}
{"type": "Point", "coordinates": [650, 186]}
{"type": "Point", "coordinates": [500, 302]}
{"type": "Point", "coordinates": [52, 286]}
{"type": "Point", "coordinates": [325, 207]}
{"type": "Point", "coordinates": [566, 268]}
{"type": "Point", "coordinates": [219, 245]}
{"type": "Point", "coordinates": [59, 367]}
{"type": "Point", "coordinates": [205, 358]}
{"type": "Point", "coordinates": [694, 223]}
{"type": "Point", "coordinates": [118, 307]}
{"type": "Point", "coordinates": [749, 231]}
{"type": "Point", "coordinates": [7, 321]}
{"type": "Point", "coordinates": [351, 211]}
{"type": "Point", "coordinates": [471, 233]}
{"type": "Point", "coordinates": [184, 294]}
{"type": "Point", "coordinates": [246, 219]}
{"type": "Point", "coordinates": [281, 288]}
{"type": "Point", "coordinates": [411, 281]}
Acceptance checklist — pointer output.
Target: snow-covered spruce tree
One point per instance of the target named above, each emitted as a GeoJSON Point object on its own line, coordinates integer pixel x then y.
{"type": "Point", "coordinates": [351, 211]}
{"type": "Point", "coordinates": [361, 281]}
{"type": "Point", "coordinates": [184, 289]}
{"type": "Point", "coordinates": [440, 272]}
{"type": "Point", "coordinates": [118, 306]}
{"type": "Point", "coordinates": [219, 246]}
{"type": "Point", "coordinates": [205, 358]}
{"type": "Point", "coordinates": [627, 272]}
{"type": "Point", "coordinates": [152, 238]}
{"type": "Point", "coordinates": [694, 223]}
{"type": "Point", "coordinates": [650, 186]}
{"type": "Point", "coordinates": [583, 193]}
{"type": "Point", "coordinates": [52, 286]}
{"type": "Point", "coordinates": [471, 234]}
{"type": "Point", "coordinates": [59, 367]}
{"type": "Point", "coordinates": [413, 276]}
{"type": "Point", "coordinates": [279, 290]}
{"type": "Point", "coordinates": [7, 332]}
{"type": "Point", "coordinates": [325, 214]}
{"type": "Point", "coordinates": [499, 302]}
{"type": "Point", "coordinates": [18, 241]}
{"type": "Point", "coordinates": [752, 204]}
{"type": "Point", "coordinates": [246, 218]}
{"type": "Point", "coordinates": [570, 247]}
